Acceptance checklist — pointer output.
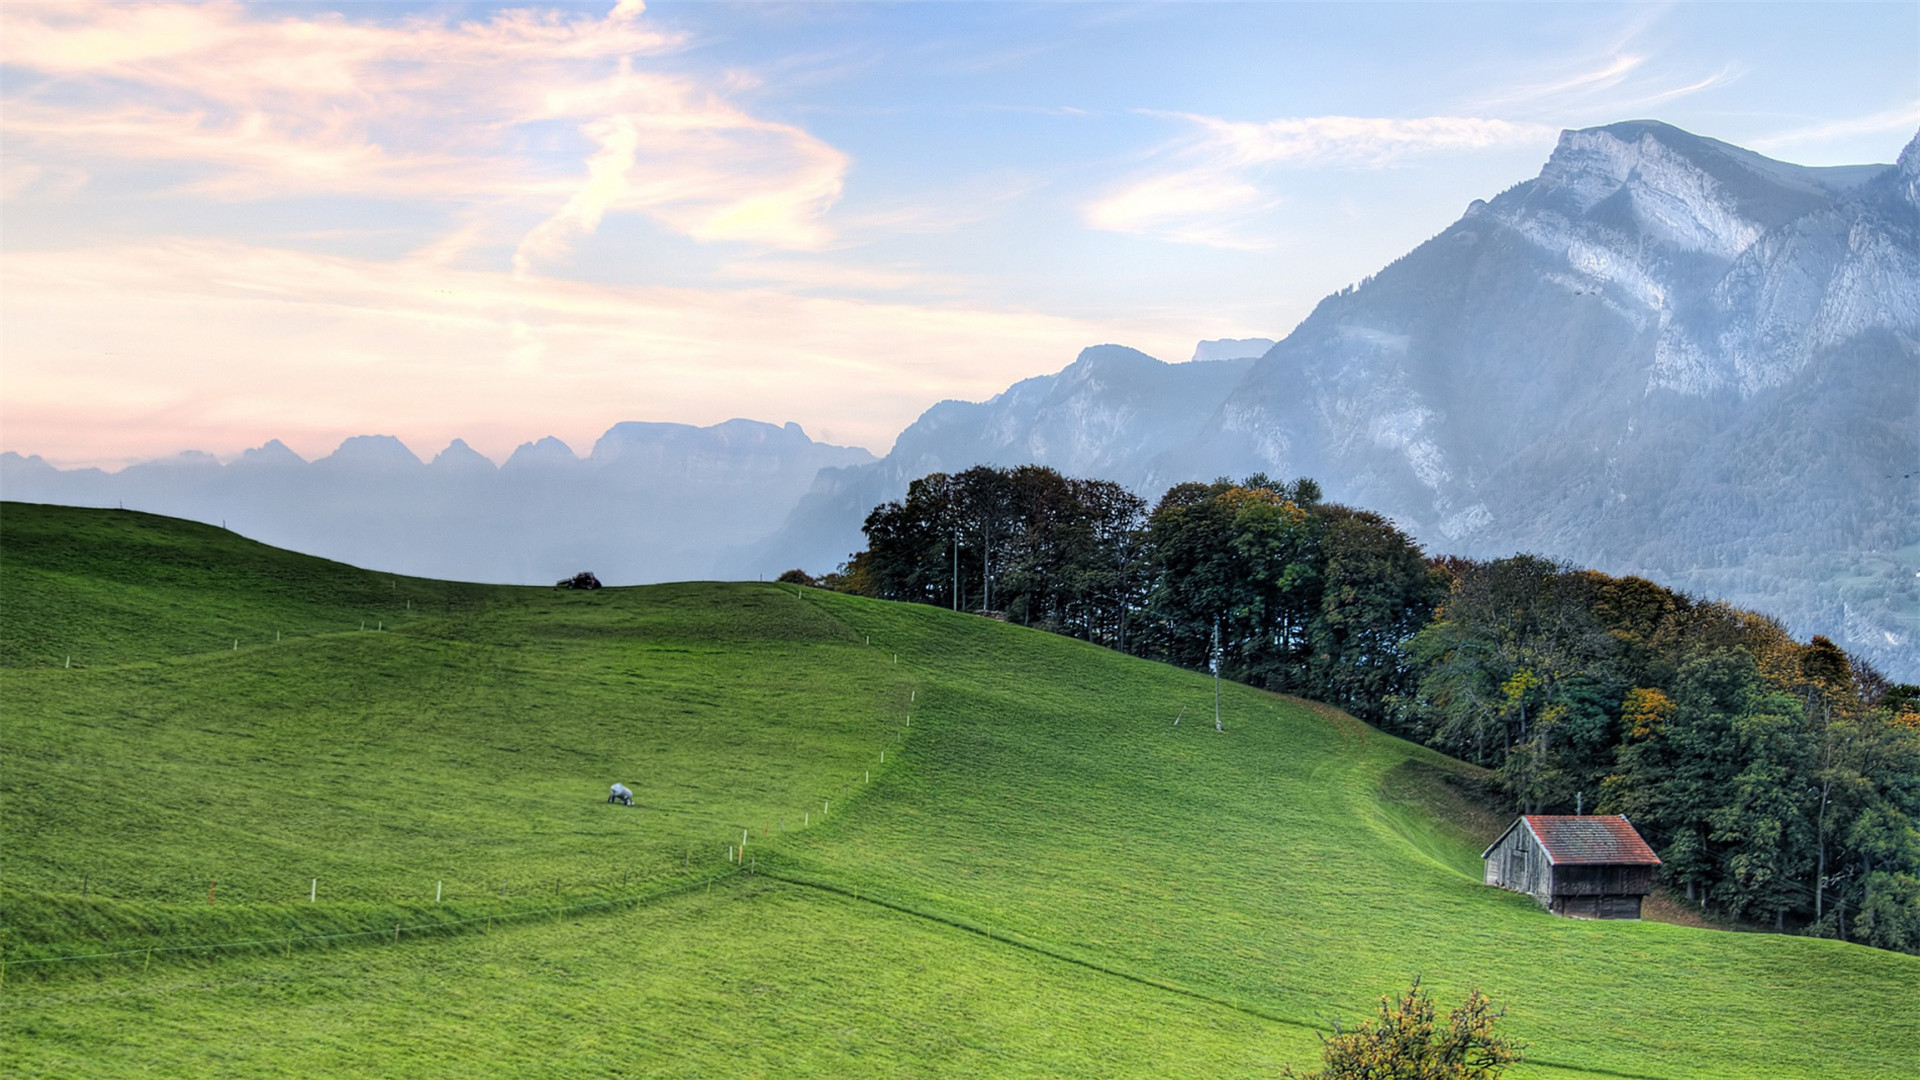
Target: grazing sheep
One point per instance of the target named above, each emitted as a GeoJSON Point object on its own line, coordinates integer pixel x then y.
{"type": "Point", "coordinates": [621, 795]}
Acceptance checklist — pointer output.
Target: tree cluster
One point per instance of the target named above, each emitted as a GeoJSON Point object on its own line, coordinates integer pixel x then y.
{"type": "Point", "coordinates": [1290, 593]}
{"type": "Point", "coordinates": [1778, 781]}
{"type": "Point", "coordinates": [1284, 591]}
{"type": "Point", "coordinates": [1025, 544]}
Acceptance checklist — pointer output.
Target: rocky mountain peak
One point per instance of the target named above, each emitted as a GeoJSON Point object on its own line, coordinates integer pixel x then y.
{"type": "Point", "coordinates": [459, 456]}
{"type": "Point", "coordinates": [274, 452]}
{"type": "Point", "coordinates": [372, 451]}
{"type": "Point", "coordinates": [548, 451]}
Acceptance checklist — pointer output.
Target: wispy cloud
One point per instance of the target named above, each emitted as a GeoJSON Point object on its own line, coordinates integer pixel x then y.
{"type": "Point", "coordinates": [1607, 80]}
{"type": "Point", "coordinates": [1600, 75]}
{"type": "Point", "coordinates": [554, 113]}
{"type": "Point", "coordinates": [1210, 182]}
{"type": "Point", "coordinates": [1901, 120]}
{"type": "Point", "coordinates": [1352, 140]}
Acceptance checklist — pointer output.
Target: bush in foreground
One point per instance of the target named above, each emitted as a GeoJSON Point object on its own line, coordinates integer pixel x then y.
{"type": "Point", "coordinates": [1404, 1043]}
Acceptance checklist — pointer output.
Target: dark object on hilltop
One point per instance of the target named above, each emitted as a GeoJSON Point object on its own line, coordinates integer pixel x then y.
{"type": "Point", "coordinates": [1591, 866]}
{"type": "Point", "coordinates": [619, 794]}
{"type": "Point", "coordinates": [582, 580]}
{"type": "Point", "coordinates": [798, 577]}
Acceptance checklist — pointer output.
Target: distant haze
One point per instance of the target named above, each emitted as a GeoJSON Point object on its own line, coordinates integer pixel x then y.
{"type": "Point", "coordinates": [650, 502]}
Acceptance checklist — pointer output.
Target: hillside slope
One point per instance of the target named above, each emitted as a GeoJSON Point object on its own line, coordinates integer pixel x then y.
{"type": "Point", "coordinates": [972, 850]}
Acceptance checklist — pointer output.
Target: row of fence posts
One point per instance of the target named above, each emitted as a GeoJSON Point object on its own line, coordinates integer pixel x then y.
{"type": "Point", "coordinates": [378, 625]}
{"type": "Point", "coordinates": [736, 855]}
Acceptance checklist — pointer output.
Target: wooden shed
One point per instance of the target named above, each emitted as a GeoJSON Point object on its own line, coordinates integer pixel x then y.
{"type": "Point", "coordinates": [1592, 866]}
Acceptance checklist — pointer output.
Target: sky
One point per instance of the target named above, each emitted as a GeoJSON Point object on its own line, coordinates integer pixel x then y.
{"type": "Point", "coordinates": [224, 223]}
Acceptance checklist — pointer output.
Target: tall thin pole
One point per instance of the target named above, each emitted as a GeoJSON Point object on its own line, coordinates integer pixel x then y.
{"type": "Point", "coordinates": [956, 569]}
{"type": "Point", "coordinates": [1216, 676]}
{"type": "Point", "coordinates": [986, 564]}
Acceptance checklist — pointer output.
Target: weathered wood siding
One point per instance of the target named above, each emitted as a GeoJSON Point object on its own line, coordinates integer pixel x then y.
{"type": "Point", "coordinates": [1521, 865]}
{"type": "Point", "coordinates": [1597, 907]}
{"type": "Point", "coordinates": [1602, 880]}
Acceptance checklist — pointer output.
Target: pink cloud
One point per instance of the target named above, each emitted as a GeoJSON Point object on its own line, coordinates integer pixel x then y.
{"type": "Point", "coordinates": [258, 106]}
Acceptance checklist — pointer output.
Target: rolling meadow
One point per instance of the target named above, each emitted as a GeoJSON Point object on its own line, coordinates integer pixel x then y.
{"type": "Point", "coordinates": [266, 815]}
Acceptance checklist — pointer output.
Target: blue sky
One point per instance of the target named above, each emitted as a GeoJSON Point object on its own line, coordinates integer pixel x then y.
{"type": "Point", "coordinates": [224, 223]}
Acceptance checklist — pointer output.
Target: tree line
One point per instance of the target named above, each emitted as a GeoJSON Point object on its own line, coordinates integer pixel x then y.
{"type": "Point", "coordinates": [1779, 781]}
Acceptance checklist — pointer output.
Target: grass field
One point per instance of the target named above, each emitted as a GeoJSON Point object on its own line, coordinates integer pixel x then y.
{"type": "Point", "coordinates": [975, 850]}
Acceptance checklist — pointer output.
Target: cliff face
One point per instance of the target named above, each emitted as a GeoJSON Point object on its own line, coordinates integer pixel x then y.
{"type": "Point", "coordinates": [1664, 355]}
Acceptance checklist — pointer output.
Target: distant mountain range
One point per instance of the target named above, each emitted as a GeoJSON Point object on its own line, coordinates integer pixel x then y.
{"type": "Point", "coordinates": [1664, 355]}
{"type": "Point", "coordinates": [650, 502]}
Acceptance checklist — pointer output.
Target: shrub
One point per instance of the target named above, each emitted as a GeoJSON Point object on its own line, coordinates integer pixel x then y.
{"type": "Point", "coordinates": [1404, 1043]}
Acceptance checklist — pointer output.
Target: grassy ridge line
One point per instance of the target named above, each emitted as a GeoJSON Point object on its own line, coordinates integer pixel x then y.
{"type": "Point", "coordinates": [107, 587]}
{"type": "Point", "coordinates": [1020, 941]}
{"type": "Point", "coordinates": [441, 927]}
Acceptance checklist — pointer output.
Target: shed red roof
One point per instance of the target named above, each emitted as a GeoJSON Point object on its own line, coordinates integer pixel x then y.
{"type": "Point", "coordinates": [1587, 840]}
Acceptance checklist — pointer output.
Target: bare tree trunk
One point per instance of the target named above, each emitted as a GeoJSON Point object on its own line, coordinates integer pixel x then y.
{"type": "Point", "coordinates": [1820, 875]}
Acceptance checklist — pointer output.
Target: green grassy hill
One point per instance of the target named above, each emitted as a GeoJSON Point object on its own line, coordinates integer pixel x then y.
{"type": "Point", "coordinates": [971, 849]}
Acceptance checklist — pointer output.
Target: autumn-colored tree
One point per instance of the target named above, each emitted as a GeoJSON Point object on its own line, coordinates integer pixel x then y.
{"type": "Point", "coordinates": [1406, 1042]}
{"type": "Point", "coordinates": [1645, 712]}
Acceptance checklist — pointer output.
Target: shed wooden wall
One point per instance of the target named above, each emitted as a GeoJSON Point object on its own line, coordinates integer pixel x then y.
{"type": "Point", "coordinates": [1602, 880]}
{"type": "Point", "coordinates": [1520, 864]}
{"type": "Point", "coordinates": [1597, 907]}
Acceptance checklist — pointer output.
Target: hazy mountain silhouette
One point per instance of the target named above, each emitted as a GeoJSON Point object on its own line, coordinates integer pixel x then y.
{"type": "Point", "coordinates": [651, 502]}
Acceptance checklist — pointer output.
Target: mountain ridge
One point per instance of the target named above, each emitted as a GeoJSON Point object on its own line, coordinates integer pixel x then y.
{"type": "Point", "coordinates": [647, 503]}
{"type": "Point", "coordinates": [1664, 355]}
